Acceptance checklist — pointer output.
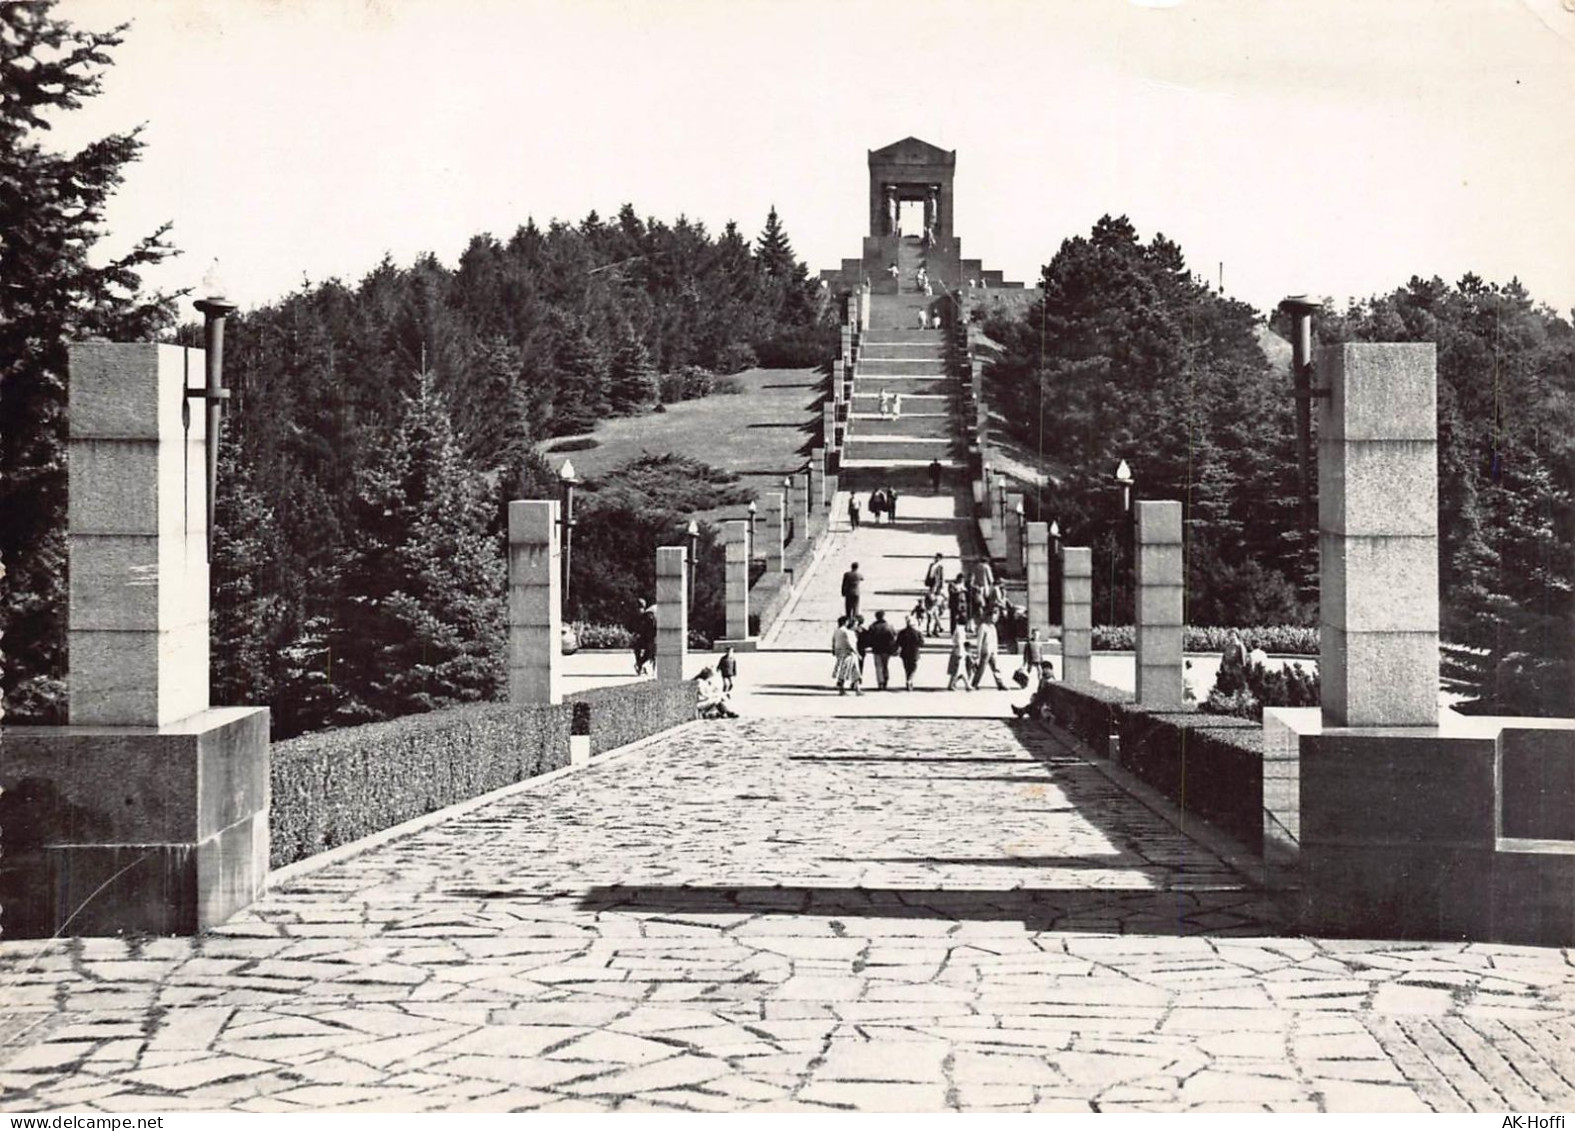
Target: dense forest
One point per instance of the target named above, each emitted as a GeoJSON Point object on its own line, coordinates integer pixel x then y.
{"type": "Point", "coordinates": [1129, 356]}
{"type": "Point", "coordinates": [377, 429]}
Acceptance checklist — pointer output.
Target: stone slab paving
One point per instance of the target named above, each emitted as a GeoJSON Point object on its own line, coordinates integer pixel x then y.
{"type": "Point", "coordinates": [891, 556]}
{"type": "Point", "coordinates": [779, 914]}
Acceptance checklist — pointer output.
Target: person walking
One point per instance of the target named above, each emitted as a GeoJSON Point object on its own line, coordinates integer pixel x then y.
{"type": "Point", "coordinates": [852, 582]}
{"type": "Point", "coordinates": [891, 504]}
{"type": "Point", "coordinates": [727, 668]}
{"type": "Point", "coordinates": [985, 652]}
{"type": "Point", "coordinates": [957, 662]}
{"type": "Point", "coordinates": [883, 646]}
{"type": "Point", "coordinates": [935, 477]}
{"type": "Point", "coordinates": [896, 407]}
{"type": "Point", "coordinates": [853, 511]}
{"type": "Point", "coordinates": [957, 601]}
{"type": "Point", "coordinates": [910, 642]}
{"type": "Point", "coordinates": [644, 653]}
{"type": "Point", "coordinates": [861, 638]}
{"type": "Point", "coordinates": [1032, 667]}
{"type": "Point", "coordinates": [845, 649]}
{"type": "Point", "coordinates": [935, 576]}
{"type": "Point", "coordinates": [932, 614]}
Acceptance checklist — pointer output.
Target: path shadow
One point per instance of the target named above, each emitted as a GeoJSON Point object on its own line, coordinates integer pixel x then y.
{"type": "Point", "coordinates": [1105, 911]}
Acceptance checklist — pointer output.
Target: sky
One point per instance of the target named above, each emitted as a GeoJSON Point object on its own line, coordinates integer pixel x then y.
{"type": "Point", "coordinates": [1329, 147]}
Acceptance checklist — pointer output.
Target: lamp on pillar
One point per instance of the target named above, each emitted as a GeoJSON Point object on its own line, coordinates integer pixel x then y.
{"type": "Point", "coordinates": [567, 480]}
{"type": "Point", "coordinates": [1123, 478]}
{"type": "Point", "coordinates": [1055, 571]}
{"type": "Point", "coordinates": [693, 531]}
{"type": "Point", "coordinates": [1022, 537]}
{"type": "Point", "coordinates": [787, 495]}
{"type": "Point", "coordinates": [1301, 309]}
{"type": "Point", "coordinates": [215, 308]}
{"type": "Point", "coordinates": [753, 510]}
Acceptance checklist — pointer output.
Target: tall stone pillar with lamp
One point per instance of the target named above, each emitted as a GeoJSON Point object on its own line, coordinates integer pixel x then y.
{"type": "Point", "coordinates": [148, 812]}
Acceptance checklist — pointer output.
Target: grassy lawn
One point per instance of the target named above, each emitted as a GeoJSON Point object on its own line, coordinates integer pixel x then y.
{"type": "Point", "coordinates": [762, 433]}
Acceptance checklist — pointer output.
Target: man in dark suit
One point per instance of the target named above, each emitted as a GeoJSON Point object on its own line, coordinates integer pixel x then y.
{"type": "Point", "coordinates": [851, 581]}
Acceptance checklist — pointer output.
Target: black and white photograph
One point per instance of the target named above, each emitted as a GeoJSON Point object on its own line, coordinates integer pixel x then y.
{"type": "Point", "coordinates": [748, 556]}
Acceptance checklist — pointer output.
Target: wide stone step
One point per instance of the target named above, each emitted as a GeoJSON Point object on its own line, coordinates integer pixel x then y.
{"type": "Point", "coordinates": [918, 427]}
{"type": "Point", "coordinates": [885, 351]}
{"type": "Point", "coordinates": [900, 450]}
{"type": "Point", "coordinates": [873, 386]}
{"type": "Point", "coordinates": [900, 367]}
{"type": "Point", "coordinates": [905, 336]}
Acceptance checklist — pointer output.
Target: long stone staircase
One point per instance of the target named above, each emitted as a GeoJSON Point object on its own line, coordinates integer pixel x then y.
{"type": "Point", "coordinates": [907, 363]}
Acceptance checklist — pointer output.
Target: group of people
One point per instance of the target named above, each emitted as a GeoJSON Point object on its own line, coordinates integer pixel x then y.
{"type": "Point", "coordinates": [890, 405]}
{"type": "Point", "coordinates": [882, 501]}
{"type": "Point", "coordinates": [853, 640]}
{"type": "Point", "coordinates": [977, 607]}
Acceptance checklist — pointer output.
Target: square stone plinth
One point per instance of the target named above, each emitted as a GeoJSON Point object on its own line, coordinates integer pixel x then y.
{"type": "Point", "coordinates": [1379, 391]}
{"type": "Point", "coordinates": [110, 830]}
{"type": "Point", "coordinates": [1378, 679]}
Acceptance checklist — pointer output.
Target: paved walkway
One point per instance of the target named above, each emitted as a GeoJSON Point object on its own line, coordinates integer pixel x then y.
{"type": "Point", "coordinates": [779, 914]}
{"type": "Point", "coordinates": [892, 557]}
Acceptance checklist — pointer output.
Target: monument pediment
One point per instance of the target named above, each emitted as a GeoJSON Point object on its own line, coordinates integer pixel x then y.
{"type": "Point", "coordinates": [912, 151]}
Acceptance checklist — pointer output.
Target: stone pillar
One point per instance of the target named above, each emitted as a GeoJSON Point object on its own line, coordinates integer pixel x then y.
{"type": "Point", "coordinates": [1077, 613]}
{"type": "Point", "coordinates": [1378, 535]}
{"type": "Point", "coordinates": [828, 424]}
{"type": "Point", "coordinates": [138, 604]}
{"type": "Point", "coordinates": [836, 383]}
{"type": "Point", "coordinates": [798, 503]}
{"type": "Point", "coordinates": [535, 602]}
{"type": "Point", "coordinates": [149, 813]}
{"type": "Point", "coordinates": [1039, 577]}
{"type": "Point", "coordinates": [776, 521]}
{"type": "Point", "coordinates": [735, 537]}
{"type": "Point", "coordinates": [672, 612]}
{"type": "Point", "coordinates": [1014, 536]}
{"type": "Point", "coordinates": [817, 478]}
{"type": "Point", "coordinates": [1161, 587]}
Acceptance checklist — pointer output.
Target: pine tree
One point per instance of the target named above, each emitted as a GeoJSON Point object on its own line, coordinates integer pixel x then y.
{"type": "Point", "coordinates": [245, 616]}
{"type": "Point", "coordinates": [773, 251]}
{"type": "Point", "coordinates": [422, 620]}
{"type": "Point", "coordinates": [51, 208]}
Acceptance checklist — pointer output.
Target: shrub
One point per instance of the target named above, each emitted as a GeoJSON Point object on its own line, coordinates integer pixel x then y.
{"type": "Point", "coordinates": [613, 636]}
{"type": "Point", "coordinates": [727, 387]}
{"type": "Point", "coordinates": [1245, 692]}
{"type": "Point", "coordinates": [617, 716]}
{"type": "Point", "coordinates": [334, 787]}
{"type": "Point", "coordinates": [1278, 639]}
{"type": "Point", "coordinates": [686, 383]}
{"type": "Point", "coordinates": [800, 350]}
{"type": "Point", "coordinates": [735, 357]}
{"type": "Point", "coordinates": [572, 444]}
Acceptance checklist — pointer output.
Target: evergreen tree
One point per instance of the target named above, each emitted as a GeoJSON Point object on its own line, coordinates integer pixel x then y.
{"type": "Point", "coordinates": [51, 209]}
{"type": "Point", "coordinates": [245, 618]}
{"type": "Point", "coordinates": [422, 613]}
{"type": "Point", "coordinates": [773, 251]}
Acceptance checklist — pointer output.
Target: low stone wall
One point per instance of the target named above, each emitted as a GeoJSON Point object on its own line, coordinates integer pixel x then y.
{"type": "Point", "coordinates": [769, 596]}
{"type": "Point", "coordinates": [1209, 765]}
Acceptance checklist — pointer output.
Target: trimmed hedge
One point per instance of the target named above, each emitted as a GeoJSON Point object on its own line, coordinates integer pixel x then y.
{"type": "Point", "coordinates": [1209, 765]}
{"type": "Point", "coordinates": [616, 716]}
{"type": "Point", "coordinates": [1276, 639]}
{"type": "Point", "coordinates": [337, 786]}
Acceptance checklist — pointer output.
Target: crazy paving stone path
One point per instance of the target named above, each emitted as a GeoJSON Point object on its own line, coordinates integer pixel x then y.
{"type": "Point", "coordinates": [878, 914]}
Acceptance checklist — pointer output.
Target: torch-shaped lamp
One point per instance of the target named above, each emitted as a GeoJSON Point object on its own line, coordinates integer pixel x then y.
{"type": "Point", "coordinates": [694, 552]}
{"type": "Point", "coordinates": [567, 481]}
{"type": "Point", "coordinates": [215, 308]}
